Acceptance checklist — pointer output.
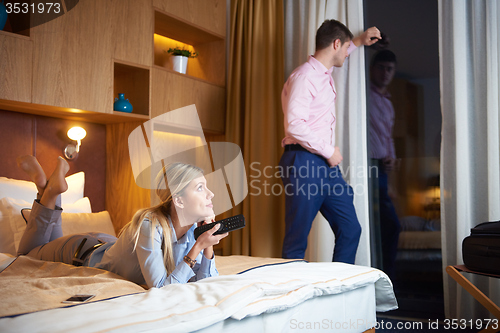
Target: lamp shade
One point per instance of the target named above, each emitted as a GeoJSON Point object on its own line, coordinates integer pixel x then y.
{"type": "Point", "coordinates": [76, 133]}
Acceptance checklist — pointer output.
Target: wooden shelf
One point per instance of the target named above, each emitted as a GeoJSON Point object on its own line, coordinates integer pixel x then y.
{"type": "Point", "coordinates": [69, 113]}
{"type": "Point", "coordinates": [134, 82]}
{"type": "Point", "coordinates": [181, 30]}
{"type": "Point", "coordinates": [171, 31]}
{"type": "Point", "coordinates": [131, 116]}
{"type": "Point", "coordinates": [161, 68]}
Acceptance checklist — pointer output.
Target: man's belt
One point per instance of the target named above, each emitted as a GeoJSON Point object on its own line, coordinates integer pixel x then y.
{"type": "Point", "coordinates": [295, 147]}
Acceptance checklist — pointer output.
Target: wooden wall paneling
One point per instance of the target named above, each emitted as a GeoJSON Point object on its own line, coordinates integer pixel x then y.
{"type": "Point", "coordinates": [132, 23]}
{"type": "Point", "coordinates": [123, 196]}
{"type": "Point", "coordinates": [18, 132]}
{"type": "Point", "coordinates": [211, 63]}
{"type": "Point", "coordinates": [209, 14]}
{"type": "Point", "coordinates": [72, 58]}
{"type": "Point", "coordinates": [16, 67]}
{"type": "Point", "coordinates": [172, 90]}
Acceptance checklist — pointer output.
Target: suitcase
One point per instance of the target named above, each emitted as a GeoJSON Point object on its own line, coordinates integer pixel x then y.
{"type": "Point", "coordinates": [481, 250]}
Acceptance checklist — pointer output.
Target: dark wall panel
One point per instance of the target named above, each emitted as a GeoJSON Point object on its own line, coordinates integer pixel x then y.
{"type": "Point", "coordinates": [46, 138]}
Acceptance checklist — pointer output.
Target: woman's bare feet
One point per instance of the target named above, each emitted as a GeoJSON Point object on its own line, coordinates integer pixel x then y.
{"type": "Point", "coordinates": [56, 184]}
{"type": "Point", "coordinates": [30, 165]}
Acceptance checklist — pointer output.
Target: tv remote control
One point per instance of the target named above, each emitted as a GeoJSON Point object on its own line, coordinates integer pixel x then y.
{"type": "Point", "coordinates": [229, 224]}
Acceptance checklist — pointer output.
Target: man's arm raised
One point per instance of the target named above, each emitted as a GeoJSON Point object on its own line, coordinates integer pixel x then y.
{"type": "Point", "coordinates": [369, 37]}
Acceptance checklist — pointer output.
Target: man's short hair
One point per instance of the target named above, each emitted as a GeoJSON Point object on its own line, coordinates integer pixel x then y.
{"type": "Point", "coordinates": [330, 31]}
{"type": "Point", "coordinates": [384, 56]}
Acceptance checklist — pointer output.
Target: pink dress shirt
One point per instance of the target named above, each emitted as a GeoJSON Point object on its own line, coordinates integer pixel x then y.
{"type": "Point", "coordinates": [381, 114]}
{"type": "Point", "coordinates": [308, 100]}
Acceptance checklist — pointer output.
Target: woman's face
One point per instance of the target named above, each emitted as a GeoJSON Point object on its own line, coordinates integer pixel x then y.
{"type": "Point", "coordinates": [197, 201]}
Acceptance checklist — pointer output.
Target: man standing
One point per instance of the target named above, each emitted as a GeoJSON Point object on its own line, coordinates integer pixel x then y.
{"type": "Point", "coordinates": [311, 175]}
{"type": "Point", "coordinates": [382, 151]}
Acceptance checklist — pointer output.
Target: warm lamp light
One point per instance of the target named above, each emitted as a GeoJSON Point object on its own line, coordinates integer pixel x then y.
{"type": "Point", "coordinates": [77, 134]}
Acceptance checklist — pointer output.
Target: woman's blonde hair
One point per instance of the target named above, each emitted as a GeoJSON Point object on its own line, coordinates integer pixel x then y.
{"type": "Point", "coordinates": [179, 175]}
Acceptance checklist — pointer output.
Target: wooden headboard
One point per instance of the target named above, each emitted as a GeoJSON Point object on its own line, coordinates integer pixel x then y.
{"type": "Point", "coordinates": [45, 138]}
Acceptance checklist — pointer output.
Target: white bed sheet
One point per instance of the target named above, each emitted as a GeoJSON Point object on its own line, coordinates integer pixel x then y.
{"type": "Point", "coordinates": [270, 296]}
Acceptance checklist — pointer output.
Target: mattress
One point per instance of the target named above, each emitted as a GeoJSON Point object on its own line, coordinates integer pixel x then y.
{"type": "Point", "coordinates": [352, 311]}
{"type": "Point", "coordinates": [267, 293]}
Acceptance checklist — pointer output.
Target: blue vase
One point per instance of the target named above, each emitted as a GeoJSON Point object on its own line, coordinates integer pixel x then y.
{"type": "Point", "coordinates": [122, 104]}
{"type": "Point", "coordinates": [3, 15]}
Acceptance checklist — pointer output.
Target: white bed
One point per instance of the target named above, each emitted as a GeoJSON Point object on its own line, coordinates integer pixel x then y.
{"type": "Point", "coordinates": [282, 297]}
{"type": "Point", "coordinates": [267, 295]}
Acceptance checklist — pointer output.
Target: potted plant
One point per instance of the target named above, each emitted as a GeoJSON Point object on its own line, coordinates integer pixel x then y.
{"type": "Point", "coordinates": [180, 58]}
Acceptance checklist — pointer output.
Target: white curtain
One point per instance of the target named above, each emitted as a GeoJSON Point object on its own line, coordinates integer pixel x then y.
{"type": "Point", "coordinates": [469, 47]}
{"type": "Point", "coordinates": [302, 19]}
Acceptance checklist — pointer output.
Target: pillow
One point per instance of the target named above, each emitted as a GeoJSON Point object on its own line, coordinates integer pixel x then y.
{"type": "Point", "coordinates": [17, 189]}
{"type": "Point", "coordinates": [12, 223]}
{"type": "Point", "coordinates": [76, 184]}
{"type": "Point", "coordinates": [26, 190]}
{"type": "Point", "coordinates": [80, 206]}
{"type": "Point", "coordinates": [77, 223]}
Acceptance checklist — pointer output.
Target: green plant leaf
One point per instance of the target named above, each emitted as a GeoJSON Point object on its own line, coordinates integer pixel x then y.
{"type": "Point", "coordinates": [177, 51]}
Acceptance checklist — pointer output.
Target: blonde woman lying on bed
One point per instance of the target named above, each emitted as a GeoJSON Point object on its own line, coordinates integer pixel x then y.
{"type": "Point", "coordinates": [156, 248]}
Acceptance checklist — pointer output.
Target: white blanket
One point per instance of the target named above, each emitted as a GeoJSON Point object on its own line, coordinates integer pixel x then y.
{"type": "Point", "coordinates": [193, 306]}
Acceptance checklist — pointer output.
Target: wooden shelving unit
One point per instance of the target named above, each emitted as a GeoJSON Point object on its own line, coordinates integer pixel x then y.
{"type": "Point", "coordinates": [204, 84]}
{"type": "Point", "coordinates": [133, 81]}
{"type": "Point", "coordinates": [71, 113]}
{"type": "Point", "coordinates": [74, 66]}
{"type": "Point", "coordinates": [171, 71]}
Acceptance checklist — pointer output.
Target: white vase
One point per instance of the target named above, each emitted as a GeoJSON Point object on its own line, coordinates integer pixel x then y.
{"type": "Point", "coordinates": [180, 64]}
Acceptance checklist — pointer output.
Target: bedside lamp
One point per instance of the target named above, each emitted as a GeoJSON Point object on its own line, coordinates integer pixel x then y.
{"type": "Point", "coordinates": [77, 134]}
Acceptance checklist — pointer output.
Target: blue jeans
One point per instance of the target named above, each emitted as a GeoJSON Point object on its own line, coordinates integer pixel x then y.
{"type": "Point", "coordinates": [312, 186]}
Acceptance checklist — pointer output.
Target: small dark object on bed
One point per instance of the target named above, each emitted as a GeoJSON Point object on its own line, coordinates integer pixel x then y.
{"type": "Point", "coordinates": [76, 299]}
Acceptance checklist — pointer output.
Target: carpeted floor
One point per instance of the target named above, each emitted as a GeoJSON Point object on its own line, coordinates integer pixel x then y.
{"type": "Point", "coordinates": [419, 290]}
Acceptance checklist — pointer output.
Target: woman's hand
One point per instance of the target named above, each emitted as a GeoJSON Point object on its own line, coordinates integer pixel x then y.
{"type": "Point", "coordinates": [208, 239]}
